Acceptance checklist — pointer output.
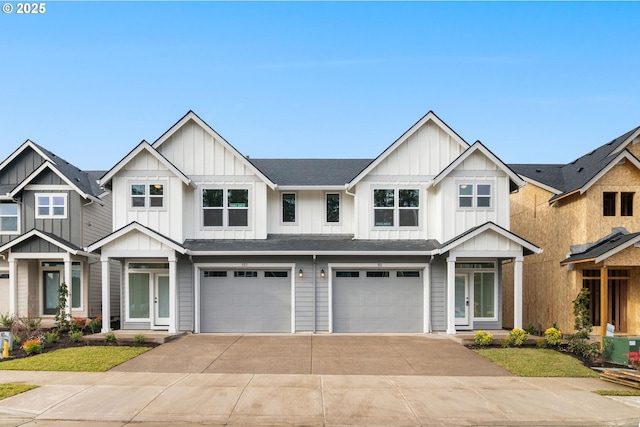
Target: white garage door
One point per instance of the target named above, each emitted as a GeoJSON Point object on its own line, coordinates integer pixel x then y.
{"type": "Point", "coordinates": [378, 301]}
{"type": "Point", "coordinates": [245, 301]}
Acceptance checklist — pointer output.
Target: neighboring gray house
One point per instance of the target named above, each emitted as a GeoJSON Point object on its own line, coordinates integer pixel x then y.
{"type": "Point", "coordinates": [50, 210]}
{"type": "Point", "coordinates": [208, 240]}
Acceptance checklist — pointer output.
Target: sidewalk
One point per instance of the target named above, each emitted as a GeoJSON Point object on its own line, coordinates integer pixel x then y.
{"type": "Point", "coordinates": [188, 399]}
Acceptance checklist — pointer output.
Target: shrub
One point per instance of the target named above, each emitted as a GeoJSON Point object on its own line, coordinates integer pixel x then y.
{"type": "Point", "coordinates": [62, 317]}
{"type": "Point", "coordinates": [52, 337]}
{"type": "Point", "coordinates": [33, 346]}
{"type": "Point", "coordinates": [139, 339]}
{"type": "Point", "coordinates": [27, 327]}
{"type": "Point", "coordinates": [553, 336]}
{"type": "Point", "coordinates": [95, 325]}
{"type": "Point", "coordinates": [516, 338]}
{"type": "Point", "coordinates": [541, 343]}
{"type": "Point", "coordinates": [16, 340]}
{"type": "Point", "coordinates": [484, 338]}
{"type": "Point", "coordinates": [634, 359]}
{"type": "Point", "coordinates": [530, 329]}
{"type": "Point", "coordinates": [7, 320]}
{"type": "Point", "coordinates": [77, 324]}
{"type": "Point", "coordinates": [76, 336]}
{"type": "Point", "coordinates": [110, 338]}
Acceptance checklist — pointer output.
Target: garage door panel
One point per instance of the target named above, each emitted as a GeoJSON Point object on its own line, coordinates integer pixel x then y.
{"type": "Point", "coordinates": [378, 304]}
{"type": "Point", "coordinates": [245, 304]}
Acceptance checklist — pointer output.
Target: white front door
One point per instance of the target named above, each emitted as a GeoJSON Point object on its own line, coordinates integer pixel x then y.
{"type": "Point", "coordinates": [161, 300]}
{"type": "Point", "coordinates": [462, 300]}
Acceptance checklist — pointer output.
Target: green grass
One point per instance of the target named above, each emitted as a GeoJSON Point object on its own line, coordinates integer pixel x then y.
{"type": "Point", "coordinates": [76, 359]}
{"type": "Point", "coordinates": [618, 392]}
{"type": "Point", "coordinates": [8, 390]}
{"type": "Point", "coordinates": [537, 362]}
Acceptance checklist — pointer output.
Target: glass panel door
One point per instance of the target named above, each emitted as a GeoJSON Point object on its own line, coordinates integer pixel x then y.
{"type": "Point", "coordinates": [50, 285]}
{"type": "Point", "coordinates": [462, 299]}
{"type": "Point", "coordinates": [161, 300]}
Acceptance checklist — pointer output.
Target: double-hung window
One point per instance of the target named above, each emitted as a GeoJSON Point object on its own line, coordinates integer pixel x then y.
{"type": "Point", "coordinates": [393, 207]}
{"type": "Point", "coordinates": [225, 207]}
{"type": "Point", "coordinates": [147, 196]}
{"type": "Point", "coordinates": [9, 218]}
{"type": "Point", "coordinates": [51, 205]}
{"type": "Point", "coordinates": [474, 196]}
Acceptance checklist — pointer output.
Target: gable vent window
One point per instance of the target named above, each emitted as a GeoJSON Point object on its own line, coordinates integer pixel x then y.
{"type": "Point", "coordinates": [608, 204]}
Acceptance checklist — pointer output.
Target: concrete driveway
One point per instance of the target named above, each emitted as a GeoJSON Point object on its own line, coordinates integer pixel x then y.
{"type": "Point", "coordinates": [430, 355]}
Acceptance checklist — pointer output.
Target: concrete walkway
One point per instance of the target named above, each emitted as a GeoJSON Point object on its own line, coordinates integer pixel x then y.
{"type": "Point", "coordinates": [151, 399]}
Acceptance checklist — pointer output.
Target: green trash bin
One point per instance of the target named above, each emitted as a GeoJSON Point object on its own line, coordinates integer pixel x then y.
{"type": "Point", "coordinates": [616, 349]}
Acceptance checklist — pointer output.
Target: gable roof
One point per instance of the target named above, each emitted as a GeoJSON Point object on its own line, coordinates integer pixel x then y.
{"type": "Point", "coordinates": [430, 116]}
{"type": "Point", "coordinates": [49, 237]}
{"type": "Point", "coordinates": [609, 245]}
{"type": "Point", "coordinates": [580, 174]}
{"type": "Point", "coordinates": [191, 116]}
{"type": "Point", "coordinates": [311, 172]}
{"type": "Point", "coordinates": [528, 247]}
{"type": "Point", "coordinates": [145, 147]}
{"type": "Point", "coordinates": [136, 226]}
{"type": "Point", "coordinates": [81, 181]}
{"type": "Point", "coordinates": [478, 146]}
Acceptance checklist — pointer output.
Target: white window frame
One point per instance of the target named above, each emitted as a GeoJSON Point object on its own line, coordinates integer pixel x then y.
{"type": "Point", "coordinates": [474, 196]}
{"type": "Point", "coordinates": [471, 274]}
{"type": "Point", "coordinates": [50, 205]}
{"type": "Point", "coordinates": [295, 213]}
{"type": "Point", "coordinates": [396, 208]}
{"type": "Point", "coordinates": [151, 273]}
{"type": "Point", "coordinates": [148, 196]}
{"type": "Point", "coordinates": [17, 216]}
{"type": "Point", "coordinates": [326, 199]}
{"type": "Point", "coordinates": [225, 208]}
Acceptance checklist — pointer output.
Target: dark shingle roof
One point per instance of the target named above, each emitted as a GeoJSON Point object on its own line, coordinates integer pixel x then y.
{"type": "Point", "coordinates": [601, 247]}
{"type": "Point", "coordinates": [319, 243]}
{"type": "Point", "coordinates": [311, 171]}
{"type": "Point", "coordinates": [573, 176]}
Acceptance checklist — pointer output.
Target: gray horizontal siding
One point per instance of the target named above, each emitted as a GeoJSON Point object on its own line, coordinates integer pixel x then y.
{"type": "Point", "coordinates": [438, 294]}
{"type": "Point", "coordinates": [186, 300]}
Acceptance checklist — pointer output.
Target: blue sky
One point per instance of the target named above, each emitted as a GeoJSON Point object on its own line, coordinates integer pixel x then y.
{"type": "Point", "coordinates": [540, 82]}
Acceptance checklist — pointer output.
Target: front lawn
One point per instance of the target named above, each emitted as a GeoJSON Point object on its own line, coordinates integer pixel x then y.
{"type": "Point", "coordinates": [8, 390]}
{"type": "Point", "coordinates": [77, 359]}
{"type": "Point", "coordinates": [537, 362]}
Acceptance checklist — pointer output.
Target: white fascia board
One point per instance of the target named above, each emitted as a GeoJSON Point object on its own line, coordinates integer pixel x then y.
{"type": "Point", "coordinates": [497, 229]}
{"type": "Point", "coordinates": [551, 190]}
{"type": "Point", "coordinates": [430, 116]}
{"type": "Point", "coordinates": [310, 253]}
{"type": "Point", "coordinates": [311, 187]}
{"type": "Point", "coordinates": [629, 140]}
{"type": "Point", "coordinates": [623, 155]}
{"type": "Point", "coordinates": [27, 143]}
{"type": "Point", "coordinates": [144, 146]}
{"type": "Point", "coordinates": [617, 249]}
{"type": "Point", "coordinates": [51, 167]}
{"type": "Point", "coordinates": [193, 116]}
{"type": "Point", "coordinates": [478, 146]}
{"type": "Point", "coordinates": [134, 226]}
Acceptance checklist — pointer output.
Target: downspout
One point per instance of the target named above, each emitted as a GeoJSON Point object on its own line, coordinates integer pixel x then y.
{"type": "Point", "coordinates": [355, 217]}
{"type": "Point", "coordinates": [428, 298]}
{"type": "Point", "coordinates": [314, 294]}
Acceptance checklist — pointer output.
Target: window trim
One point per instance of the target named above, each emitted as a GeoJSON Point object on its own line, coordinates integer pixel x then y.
{"type": "Point", "coordinates": [474, 196]}
{"type": "Point", "coordinates": [51, 206]}
{"type": "Point", "coordinates": [17, 216]}
{"type": "Point", "coordinates": [396, 208]}
{"type": "Point", "coordinates": [225, 208]}
{"type": "Point", "coordinates": [295, 206]}
{"type": "Point", "coordinates": [148, 196]}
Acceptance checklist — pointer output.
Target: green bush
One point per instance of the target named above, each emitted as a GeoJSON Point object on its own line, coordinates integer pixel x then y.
{"type": "Point", "coordinates": [139, 339]}
{"type": "Point", "coordinates": [552, 337]}
{"type": "Point", "coordinates": [516, 338]}
{"type": "Point", "coordinates": [484, 338]}
{"type": "Point", "coordinates": [33, 346]}
{"type": "Point", "coordinates": [95, 325]}
{"type": "Point", "coordinates": [51, 337]}
{"type": "Point", "coordinates": [76, 336]}
{"type": "Point", "coordinates": [110, 338]}
{"type": "Point", "coordinates": [7, 320]}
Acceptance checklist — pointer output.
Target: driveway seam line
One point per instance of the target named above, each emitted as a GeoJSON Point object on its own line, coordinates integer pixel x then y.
{"type": "Point", "coordinates": [225, 350]}
{"type": "Point", "coordinates": [164, 390]}
{"type": "Point", "coordinates": [235, 405]}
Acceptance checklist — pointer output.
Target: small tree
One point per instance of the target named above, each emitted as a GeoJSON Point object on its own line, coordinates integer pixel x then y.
{"type": "Point", "coordinates": [62, 317]}
{"type": "Point", "coordinates": [582, 314]}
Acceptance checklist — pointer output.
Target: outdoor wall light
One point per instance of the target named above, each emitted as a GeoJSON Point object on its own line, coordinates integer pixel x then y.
{"type": "Point", "coordinates": [300, 273]}
{"type": "Point", "coordinates": [322, 273]}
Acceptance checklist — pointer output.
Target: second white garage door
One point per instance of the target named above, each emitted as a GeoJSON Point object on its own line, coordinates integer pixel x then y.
{"type": "Point", "coordinates": [378, 301]}
{"type": "Point", "coordinates": [245, 301]}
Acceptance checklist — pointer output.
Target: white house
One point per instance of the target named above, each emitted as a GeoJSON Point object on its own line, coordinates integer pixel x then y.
{"type": "Point", "coordinates": [209, 240]}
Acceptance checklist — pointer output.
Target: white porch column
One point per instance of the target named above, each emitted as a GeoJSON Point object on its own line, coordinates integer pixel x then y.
{"type": "Point", "coordinates": [106, 295]}
{"type": "Point", "coordinates": [451, 295]}
{"type": "Point", "coordinates": [517, 292]}
{"type": "Point", "coordinates": [68, 282]}
{"type": "Point", "coordinates": [13, 287]}
{"type": "Point", "coordinates": [173, 286]}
